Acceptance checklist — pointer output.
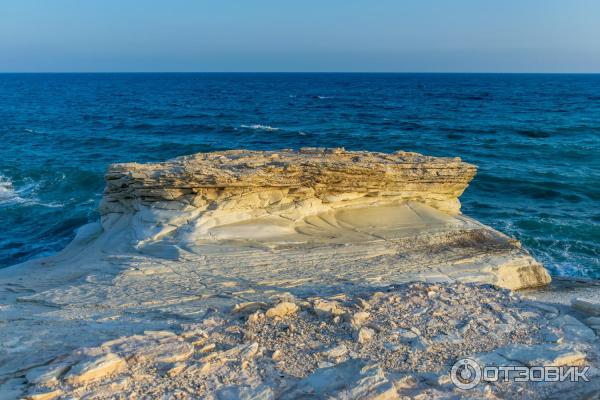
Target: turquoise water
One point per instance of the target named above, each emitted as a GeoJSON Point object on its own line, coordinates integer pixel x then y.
{"type": "Point", "coordinates": [535, 138]}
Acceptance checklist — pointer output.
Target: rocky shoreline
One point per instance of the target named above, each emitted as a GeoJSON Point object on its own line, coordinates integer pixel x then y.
{"type": "Point", "coordinates": [318, 273]}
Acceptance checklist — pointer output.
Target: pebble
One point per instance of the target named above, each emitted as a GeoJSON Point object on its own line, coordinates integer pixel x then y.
{"type": "Point", "coordinates": [208, 347]}
{"type": "Point", "coordinates": [365, 335]}
{"type": "Point", "coordinates": [282, 309]}
{"type": "Point", "coordinates": [336, 352]}
{"type": "Point", "coordinates": [324, 308]}
{"type": "Point", "coordinates": [49, 395]}
{"type": "Point", "coordinates": [359, 318]}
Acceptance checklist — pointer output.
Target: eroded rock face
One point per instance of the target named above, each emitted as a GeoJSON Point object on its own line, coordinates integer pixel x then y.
{"type": "Point", "coordinates": [250, 233]}
{"type": "Point", "coordinates": [316, 196]}
{"type": "Point", "coordinates": [241, 179]}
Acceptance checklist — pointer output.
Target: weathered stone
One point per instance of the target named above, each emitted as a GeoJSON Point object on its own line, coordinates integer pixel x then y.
{"type": "Point", "coordinates": [255, 317]}
{"type": "Point", "coordinates": [176, 369]}
{"type": "Point", "coordinates": [208, 348]}
{"type": "Point", "coordinates": [359, 318]}
{"type": "Point", "coordinates": [407, 381]}
{"type": "Point", "coordinates": [365, 335]}
{"type": "Point", "coordinates": [47, 374]}
{"type": "Point", "coordinates": [330, 175]}
{"type": "Point", "coordinates": [48, 395]}
{"type": "Point", "coordinates": [349, 380]}
{"type": "Point", "coordinates": [282, 310]}
{"type": "Point", "coordinates": [96, 368]}
{"type": "Point", "coordinates": [241, 352]}
{"type": "Point", "coordinates": [169, 352]}
{"type": "Point", "coordinates": [406, 334]}
{"type": "Point", "coordinates": [586, 306]}
{"type": "Point", "coordinates": [250, 307]}
{"type": "Point", "coordinates": [543, 355]}
{"type": "Point", "coordinates": [362, 303]}
{"type": "Point", "coordinates": [324, 308]}
{"type": "Point", "coordinates": [573, 329]}
{"type": "Point", "coordinates": [336, 352]}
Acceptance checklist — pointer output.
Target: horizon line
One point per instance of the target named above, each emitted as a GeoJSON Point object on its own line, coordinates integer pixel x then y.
{"type": "Point", "coordinates": [304, 72]}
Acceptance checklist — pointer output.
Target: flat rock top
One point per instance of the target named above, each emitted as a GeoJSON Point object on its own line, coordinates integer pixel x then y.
{"type": "Point", "coordinates": [291, 168]}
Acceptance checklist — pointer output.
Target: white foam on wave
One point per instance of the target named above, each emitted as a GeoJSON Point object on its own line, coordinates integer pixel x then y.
{"type": "Point", "coordinates": [10, 195]}
{"type": "Point", "coordinates": [261, 127]}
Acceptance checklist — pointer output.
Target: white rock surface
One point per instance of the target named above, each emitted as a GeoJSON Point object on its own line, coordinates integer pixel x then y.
{"type": "Point", "coordinates": [96, 368]}
{"type": "Point", "coordinates": [246, 240]}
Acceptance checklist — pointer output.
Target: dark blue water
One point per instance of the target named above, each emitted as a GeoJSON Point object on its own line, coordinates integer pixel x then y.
{"type": "Point", "coordinates": [535, 138]}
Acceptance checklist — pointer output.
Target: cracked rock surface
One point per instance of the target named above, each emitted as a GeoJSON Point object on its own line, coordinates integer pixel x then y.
{"type": "Point", "coordinates": [417, 331]}
{"type": "Point", "coordinates": [202, 268]}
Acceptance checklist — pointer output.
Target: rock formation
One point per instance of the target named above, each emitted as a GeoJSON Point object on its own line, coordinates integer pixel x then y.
{"type": "Point", "coordinates": [229, 241]}
{"type": "Point", "coordinates": [242, 179]}
{"type": "Point", "coordinates": [397, 205]}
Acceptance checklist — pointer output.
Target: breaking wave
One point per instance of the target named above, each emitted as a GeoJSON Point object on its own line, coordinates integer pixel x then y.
{"type": "Point", "coordinates": [24, 194]}
{"type": "Point", "coordinates": [8, 193]}
{"type": "Point", "coordinates": [260, 127]}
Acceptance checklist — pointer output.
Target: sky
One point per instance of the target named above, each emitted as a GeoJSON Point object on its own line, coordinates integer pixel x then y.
{"type": "Point", "coordinates": [300, 35]}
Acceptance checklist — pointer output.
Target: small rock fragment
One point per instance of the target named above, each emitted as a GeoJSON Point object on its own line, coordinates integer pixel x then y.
{"type": "Point", "coordinates": [249, 307]}
{"type": "Point", "coordinates": [543, 355]}
{"type": "Point", "coordinates": [336, 352]}
{"type": "Point", "coordinates": [254, 318]}
{"type": "Point", "coordinates": [406, 334]}
{"type": "Point", "coordinates": [207, 348]}
{"type": "Point", "coordinates": [415, 330]}
{"type": "Point", "coordinates": [45, 395]}
{"type": "Point", "coordinates": [324, 308]}
{"type": "Point", "coordinates": [363, 304]}
{"type": "Point", "coordinates": [282, 309]}
{"type": "Point", "coordinates": [96, 368]}
{"type": "Point", "coordinates": [406, 382]}
{"type": "Point", "coordinates": [167, 352]}
{"type": "Point", "coordinates": [359, 318]}
{"type": "Point", "coordinates": [176, 369]}
{"type": "Point", "coordinates": [325, 364]}
{"type": "Point", "coordinates": [365, 335]}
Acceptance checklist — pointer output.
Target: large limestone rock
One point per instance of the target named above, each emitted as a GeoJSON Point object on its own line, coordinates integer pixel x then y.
{"type": "Point", "coordinates": [399, 211]}
{"type": "Point", "coordinates": [263, 179]}
{"type": "Point", "coordinates": [180, 240]}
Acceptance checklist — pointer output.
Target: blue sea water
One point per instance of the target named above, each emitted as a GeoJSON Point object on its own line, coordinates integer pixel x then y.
{"type": "Point", "coordinates": [535, 138]}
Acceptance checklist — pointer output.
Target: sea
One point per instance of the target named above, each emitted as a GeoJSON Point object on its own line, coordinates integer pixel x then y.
{"type": "Point", "coordinates": [534, 137]}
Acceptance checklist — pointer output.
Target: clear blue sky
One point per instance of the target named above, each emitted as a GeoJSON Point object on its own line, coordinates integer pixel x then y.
{"type": "Point", "coordinates": [301, 35]}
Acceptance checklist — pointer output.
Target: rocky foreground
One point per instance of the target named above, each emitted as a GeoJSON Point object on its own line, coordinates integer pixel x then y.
{"type": "Point", "coordinates": [310, 274]}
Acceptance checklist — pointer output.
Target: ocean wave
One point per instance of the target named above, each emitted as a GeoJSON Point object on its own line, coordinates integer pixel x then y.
{"type": "Point", "coordinates": [25, 194]}
{"type": "Point", "coordinates": [260, 127]}
{"type": "Point", "coordinates": [9, 194]}
{"type": "Point", "coordinates": [7, 190]}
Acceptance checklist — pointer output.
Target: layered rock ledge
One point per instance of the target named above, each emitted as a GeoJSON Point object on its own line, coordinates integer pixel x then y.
{"type": "Point", "coordinates": [191, 255]}
{"type": "Point", "coordinates": [262, 179]}
{"type": "Point", "coordinates": [393, 208]}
